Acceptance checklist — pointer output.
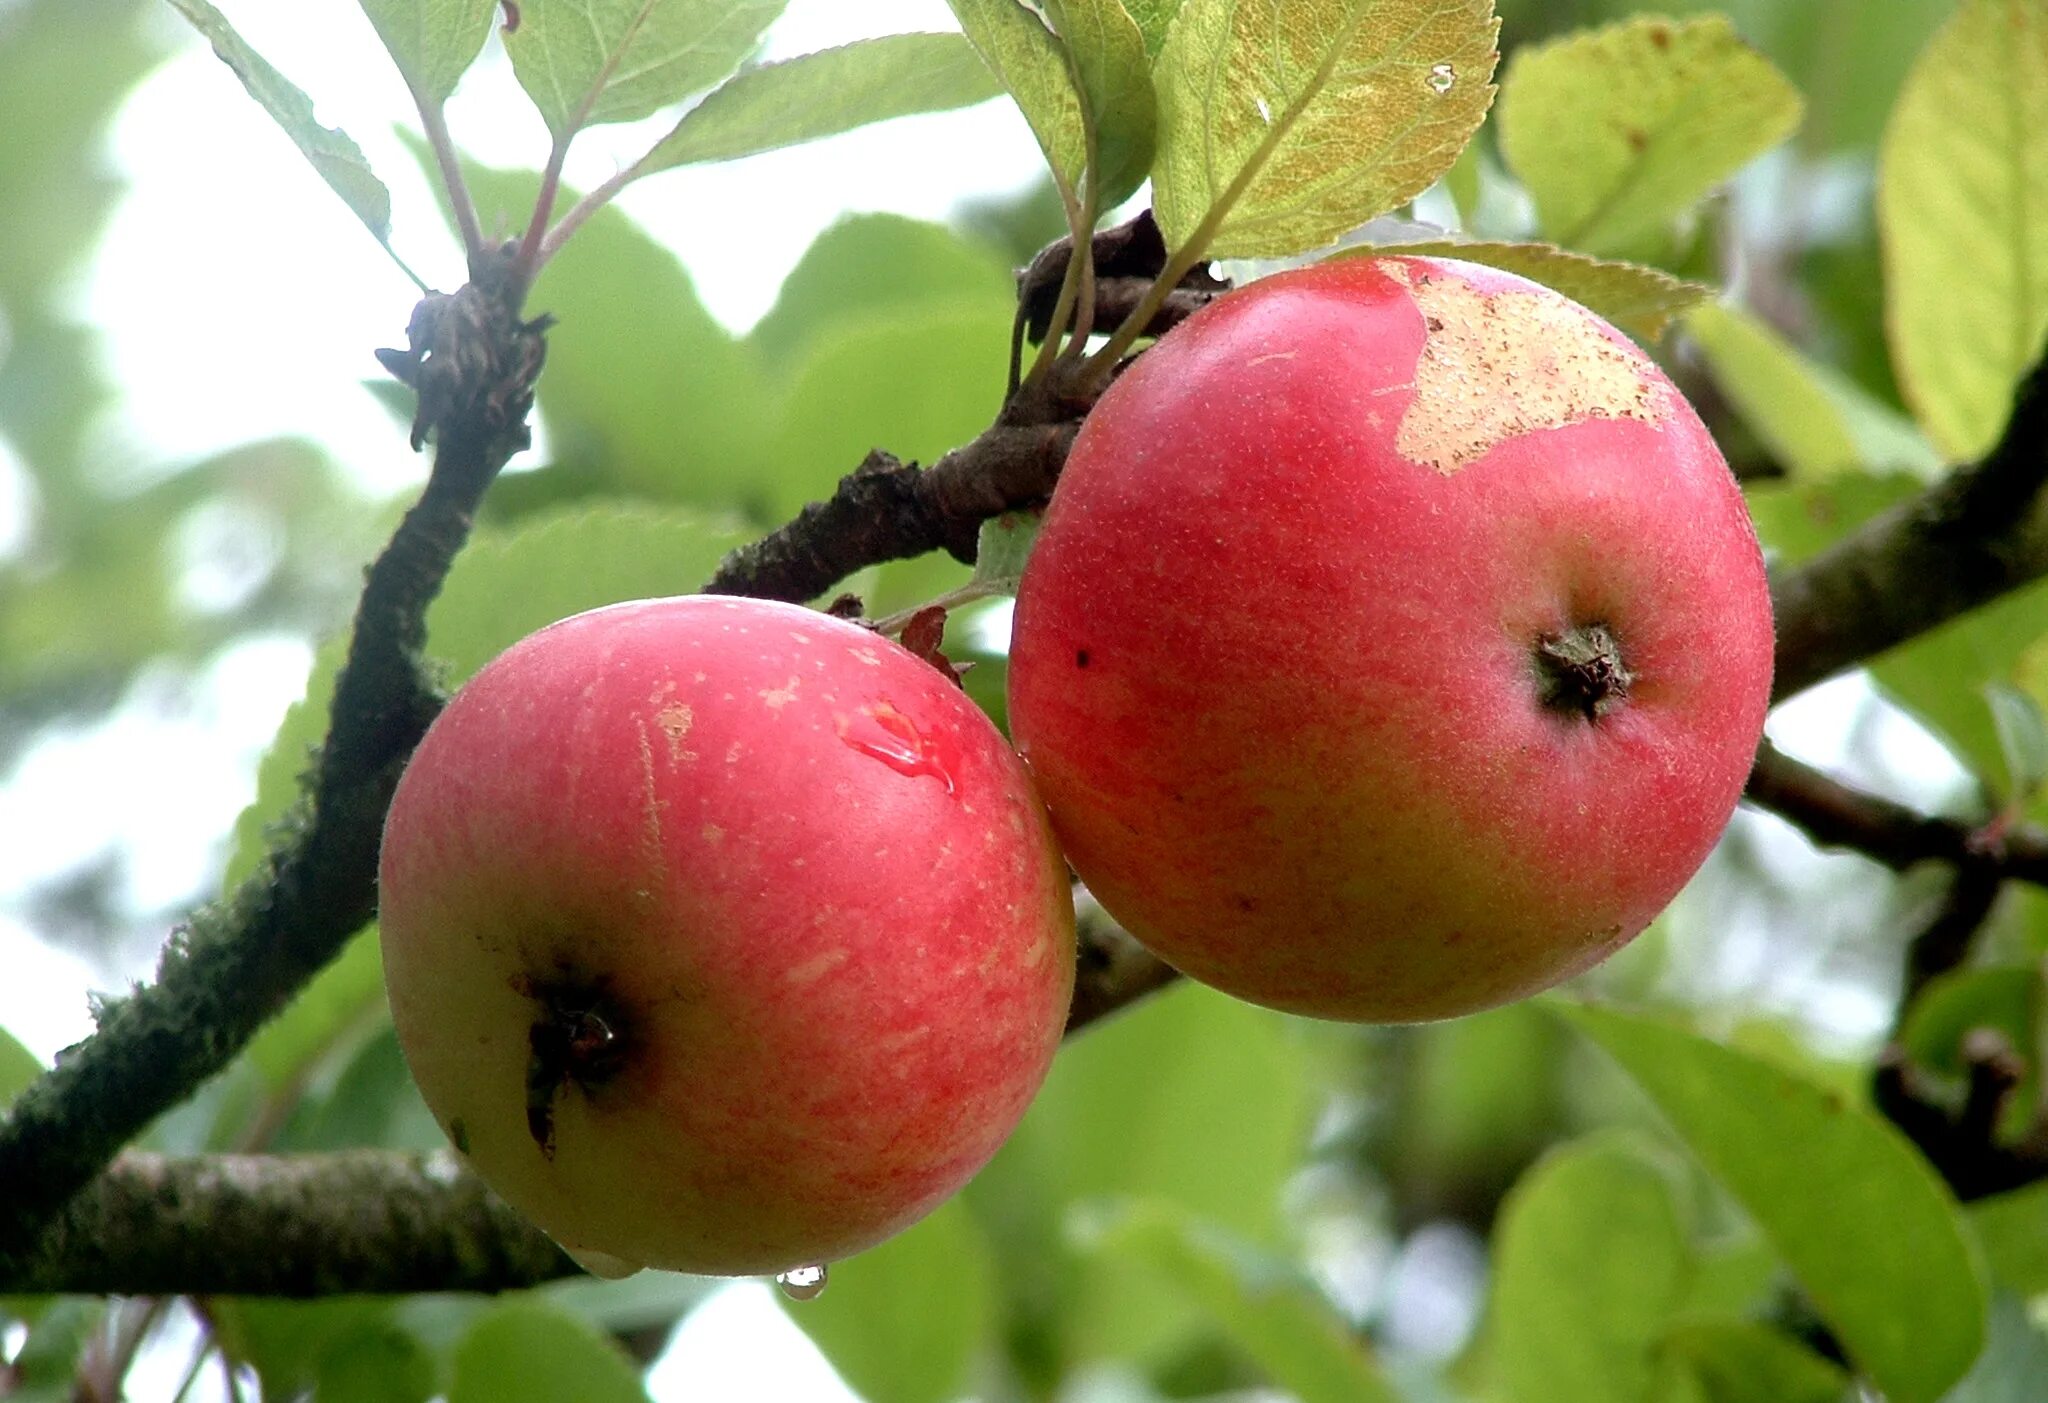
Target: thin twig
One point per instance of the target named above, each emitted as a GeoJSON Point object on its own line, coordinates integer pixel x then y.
{"type": "Point", "coordinates": [1838, 815]}
{"type": "Point", "coordinates": [434, 120]}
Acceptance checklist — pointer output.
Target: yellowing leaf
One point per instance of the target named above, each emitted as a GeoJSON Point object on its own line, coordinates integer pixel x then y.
{"type": "Point", "coordinates": [825, 93]}
{"type": "Point", "coordinates": [1962, 207]}
{"type": "Point", "coordinates": [1285, 123]}
{"type": "Point", "coordinates": [1152, 18]}
{"type": "Point", "coordinates": [1616, 131]}
{"type": "Point", "coordinates": [1640, 300]}
{"type": "Point", "coordinates": [1813, 418]}
{"type": "Point", "coordinates": [1776, 390]}
{"type": "Point", "coordinates": [587, 62]}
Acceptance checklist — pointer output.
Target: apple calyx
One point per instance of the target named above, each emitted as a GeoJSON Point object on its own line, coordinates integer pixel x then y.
{"type": "Point", "coordinates": [580, 1038]}
{"type": "Point", "coordinates": [1581, 672]}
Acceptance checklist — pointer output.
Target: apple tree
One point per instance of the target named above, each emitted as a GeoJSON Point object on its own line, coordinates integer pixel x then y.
{"type": "Point", "coordinates": [1790, 1144]}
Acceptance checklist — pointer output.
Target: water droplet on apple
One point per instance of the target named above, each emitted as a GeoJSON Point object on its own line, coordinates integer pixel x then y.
{"type": "Point", "coordinates": [802, 1283]}
{"type": "Point", "coordinates": [886, 734]}
{"type": "Point", "coordinates": [1441, 77]}
{"type": "Point", "coordinates": [601, 1264]}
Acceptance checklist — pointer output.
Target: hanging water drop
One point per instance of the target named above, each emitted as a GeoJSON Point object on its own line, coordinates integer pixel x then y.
{"type": "Point", "coordinates": [802, 1283]}
{"type": "Point", "coordinates": [1441, 77]}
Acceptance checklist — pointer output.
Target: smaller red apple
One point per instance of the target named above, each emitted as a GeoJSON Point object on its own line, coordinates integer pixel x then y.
{"type": "Point", "coordinates": [720, 935]}
{"type": "Point", "coordinates": [1396, 642]}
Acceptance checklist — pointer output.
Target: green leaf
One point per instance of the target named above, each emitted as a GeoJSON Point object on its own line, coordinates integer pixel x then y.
{"type": "Point", "coordinates": [1815, 1173]}
{"type": "Point", "coordinates": [1848, 56]}
{"type": "Point", "coordinates": [1739, 1361]}
{"type": "Point", "coordinates": [378, 1364]}
{"type": "Point", "coordinates": [638, 1302]}
{"type": "Point", "coordinates": [645, 394]}
{"type": "Point", "coordinates": [1128, 1112]}
{"type": "Point", "coordinates": [1478, 1098]}
{"type": "Point", "coordinates": [2014, 1362]}
{"type": "Point", "coordinates": [1640, 300]}
{"type": "Point", "coordinates": [1113, 72]}
{"type": "Point", "coordinates": [64, 70]}
{"type": "Point", "coordinates": [903, 1321]}
{"type": "Point", "coordinates": [916, 379]}
{"type": "Point", "coordinates": [373, 1104]}
{"type": "Point", "coordinates": [294, 751]}
{"type": "Point", "coordinates": [338, 159]}
{"type": "Point", "coordinates": [2012, 1228]}
{"type": "Point", "coordinates": [337, 1000]}
{"type": "Point", "coordinates": [1941, 677]}
{"type": "Point", "coordinates": [2005, 997]}
{"type": "Point", "coordinates": [1286, 123]}
{"type": "Point", "coordinates": [1733, 1277]}
{"type": "Point", "coordinates": [1261, 1302]}
{"type": "Point", "coordinates": [588, 62]}
{"type": "Point", "coordinates": [1028, 61]}
{"type": "Point", "coordinates": [510, 582]}
{"type": "Point", "coordinates": [1817, 422]}
{"type": "Point", "coordinates": [1004, 545]}
{"type": "Point", "coordinates": [1617, 131]}
{"type": "Point", "coordinates": [1962, 207]}
{"type": "Point", "coordinates": [1590, 1257]}
{"type": "Point", "coordinates": [1796, 520]}
{"type": "Point", "coordinates": [18, 1067]}
{"type": "Point", "coordinates": [825, 93]}
{"type": "Point", "coordinates": [527, 1352]}
{"type": "Point", "coordinates": [2022, 737]}
{"type": "Point", "coordinates": [433, 42]}
{"type": "Point", "coordinates": [1778, 392]}
{"type": "Point", "coordinates": [286, 1341]}
{"type": "Point", "coordinates": [47, 1364]}
{"type": "Point", "coordinates": [876, 264]}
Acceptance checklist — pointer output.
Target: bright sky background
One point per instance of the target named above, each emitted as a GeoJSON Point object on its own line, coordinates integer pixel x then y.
{"type": "Point", "coordinates": [239, 300]}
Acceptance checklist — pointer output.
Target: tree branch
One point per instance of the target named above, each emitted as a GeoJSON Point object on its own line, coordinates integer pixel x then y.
{"type": "Point", "coordinates": [369, 1221]}
{"type": "Point", "coordinates": [1113, 970]}
{"type": "Point", "coordinates": [241, 960]}
{"type": "Point", "coordinates": [889, 510]}
{"type": "Point", "coordinates": [1980, 532]}
{"type": "Point", "coordinates": [1837, 815]}
{"type": "Point", "coordinates": [359, 1221]}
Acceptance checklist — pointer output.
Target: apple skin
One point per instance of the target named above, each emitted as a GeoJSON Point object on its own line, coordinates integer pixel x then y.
{"type": "Point", "coordinates": [1274, 659]}
{"type": "Point", "coordinates": [803, 881]}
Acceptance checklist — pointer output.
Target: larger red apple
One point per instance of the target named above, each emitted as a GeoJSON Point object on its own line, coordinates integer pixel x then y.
{"type": "Point", "coordinates": [720, 935]}
{"type": "Point", "coordinates": [1396, 643]}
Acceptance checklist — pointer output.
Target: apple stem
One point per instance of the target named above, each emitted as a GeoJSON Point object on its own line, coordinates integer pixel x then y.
{"type": "Point", "coordinates": [1581, 672]}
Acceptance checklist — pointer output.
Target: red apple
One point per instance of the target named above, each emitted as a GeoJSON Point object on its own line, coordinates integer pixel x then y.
{"type": "Point", "coordinates": [722, 936]}
{"type": "Point", "coordinates": [1396, 643]}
